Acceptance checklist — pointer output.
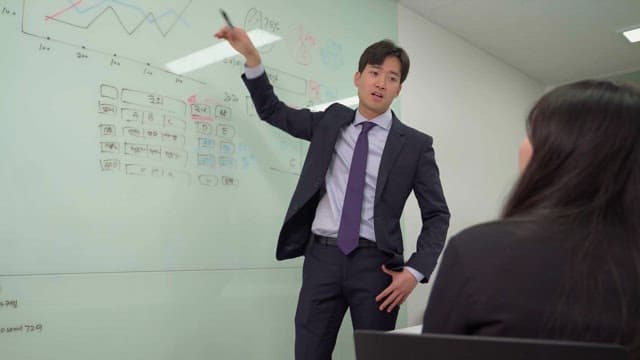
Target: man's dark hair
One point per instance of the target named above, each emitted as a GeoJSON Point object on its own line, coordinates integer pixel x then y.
{"type": "Point", "coordinates": [377, 52]}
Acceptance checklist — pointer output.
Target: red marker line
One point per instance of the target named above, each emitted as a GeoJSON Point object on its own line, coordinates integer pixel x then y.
{"type": "Point", "coordinates": [62, 11]}
{"type": "Point", "coordinates": [201, 117]}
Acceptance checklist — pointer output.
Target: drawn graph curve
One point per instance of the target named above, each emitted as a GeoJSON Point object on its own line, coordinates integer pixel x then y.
{"type": "Point", "coordinates": [83, 14]}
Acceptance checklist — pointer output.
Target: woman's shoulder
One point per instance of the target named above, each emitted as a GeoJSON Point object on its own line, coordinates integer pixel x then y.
{"type": "Point", "coordinates": [508, 249]}
{"type": "Point", "coordinates": [506, 235]}
{"type": "Point", "coordinates": [491, 229]}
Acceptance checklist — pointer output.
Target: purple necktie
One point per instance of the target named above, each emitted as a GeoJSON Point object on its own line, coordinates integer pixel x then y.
{"type": "Point", "coordinates": [349, 230]}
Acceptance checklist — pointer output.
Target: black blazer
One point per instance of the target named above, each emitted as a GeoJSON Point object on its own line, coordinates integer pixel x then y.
{"type": "Point", "coordinates": [506, 278]}
{"type": "Point", "coordinates": [407, 164]}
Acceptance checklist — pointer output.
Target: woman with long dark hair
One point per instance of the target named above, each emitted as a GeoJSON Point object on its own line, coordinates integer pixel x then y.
{"type": "Point", "coordinates": [564, 261]}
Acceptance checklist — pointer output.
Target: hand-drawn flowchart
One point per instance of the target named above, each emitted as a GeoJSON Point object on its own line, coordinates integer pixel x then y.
{"type": "Point", "coordinates": [149, 134]}
{"type": "Point", "coordinates": [162, 135]}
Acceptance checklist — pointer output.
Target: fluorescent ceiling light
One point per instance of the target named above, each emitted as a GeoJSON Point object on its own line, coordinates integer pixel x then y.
{"type": "Point", "coordinates": [632, 35]}
{"type": "Point", "coordinates": [217, 52]}
{"type": "Point", "coordinates": [351, 101]}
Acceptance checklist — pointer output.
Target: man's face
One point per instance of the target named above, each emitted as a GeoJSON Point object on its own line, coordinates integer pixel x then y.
{"type": "Point", "coordinates": [377, 86]}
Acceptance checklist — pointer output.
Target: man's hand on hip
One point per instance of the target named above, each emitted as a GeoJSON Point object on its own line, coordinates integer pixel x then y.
{"type": "Point", "coordinates": [402, 284]}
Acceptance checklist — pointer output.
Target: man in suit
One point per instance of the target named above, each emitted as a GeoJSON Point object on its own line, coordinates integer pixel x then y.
{"type": "Point", "coordinates": [344, 216]}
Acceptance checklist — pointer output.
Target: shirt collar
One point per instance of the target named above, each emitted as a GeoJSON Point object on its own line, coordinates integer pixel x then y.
{"type": "Point", "coordinates": [383, 120]}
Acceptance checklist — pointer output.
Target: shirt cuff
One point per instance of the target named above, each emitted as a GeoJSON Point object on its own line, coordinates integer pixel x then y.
{"type": "Point", "coordinates": [416, 274]}
{"type": "Point", "coordinates": [253, 72]}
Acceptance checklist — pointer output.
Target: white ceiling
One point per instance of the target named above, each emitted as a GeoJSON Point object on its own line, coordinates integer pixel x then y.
{"type": "Point", "coordinates": [553, 41]}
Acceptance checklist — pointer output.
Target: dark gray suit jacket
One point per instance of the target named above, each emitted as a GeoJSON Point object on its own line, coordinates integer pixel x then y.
{"type": "Point", "coordinates": [407, 164]}
{"type": "Point", "coordinates": [506, 278]}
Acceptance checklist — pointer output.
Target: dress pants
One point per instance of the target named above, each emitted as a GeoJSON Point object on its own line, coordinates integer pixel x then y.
{"type": "Point", "coordinates": [331, 283]}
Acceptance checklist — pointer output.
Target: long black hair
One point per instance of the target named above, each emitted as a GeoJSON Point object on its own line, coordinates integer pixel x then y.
{"type": "Point", "coordinates": [584, 174]}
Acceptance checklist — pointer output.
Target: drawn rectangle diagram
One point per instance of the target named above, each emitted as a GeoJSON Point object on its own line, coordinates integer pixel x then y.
{"type": "Point", "coordinates": [155, 101]}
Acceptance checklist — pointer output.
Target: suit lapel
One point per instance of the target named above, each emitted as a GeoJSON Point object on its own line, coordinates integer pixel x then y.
{"type": "Point", "coordinates": [395, 142]}
{"type": "Point", "coordinates": [342, 119]}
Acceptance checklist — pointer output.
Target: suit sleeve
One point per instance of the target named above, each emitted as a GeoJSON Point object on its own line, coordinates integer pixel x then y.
{"type": "Point", "coordinates": [296, 122]}
{"type": "Point", "coordinates": [451, 303]}
{"type": "Point", "coordinates": [433, 211]}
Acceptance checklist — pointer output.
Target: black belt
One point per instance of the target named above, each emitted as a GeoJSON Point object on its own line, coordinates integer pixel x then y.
{"type": "Point", "coordinates": [325, 240]}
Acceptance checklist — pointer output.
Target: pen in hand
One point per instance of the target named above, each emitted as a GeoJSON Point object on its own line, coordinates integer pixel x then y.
{"type": "Point", "coordinates": [239, 41]}
{"type": "Point", "coordinates": [226, 19]}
